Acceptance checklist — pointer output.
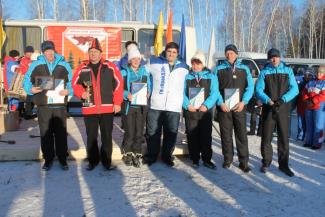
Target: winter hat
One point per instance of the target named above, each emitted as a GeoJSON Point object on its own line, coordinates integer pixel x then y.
{"type": "Point", "coordinates": [47, 45]}
{"type": "Point", "coordinates": [199, 55]}
{"type": "Point", "coordinates": [273, 52]}
{"type": "Point", "coordinates": [310, 71]}
{"type": "Point", "coordinates": [134, 53]}
{"type": "Point", "coordinates": [29, 49]}
{"type": "Point", "coordinates": [131, 47]}
{"type": "Point", "coordinates": [14, 53]}
{"type": "Point", "coordinates": [95, 44]}
{"type": "Point", "coordinates": [231, 47]}
{"type": "Point", "coordinates": [128, 43]}
{"type": "Point", "coordinates": [172, 45]}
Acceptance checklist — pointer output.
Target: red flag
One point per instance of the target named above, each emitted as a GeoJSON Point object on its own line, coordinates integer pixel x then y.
{"type": "Point", "coordinates": [169, 32]}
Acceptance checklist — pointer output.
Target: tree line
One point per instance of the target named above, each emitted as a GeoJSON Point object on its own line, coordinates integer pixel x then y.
{"type": "Point", "coordinates": [253, 25]}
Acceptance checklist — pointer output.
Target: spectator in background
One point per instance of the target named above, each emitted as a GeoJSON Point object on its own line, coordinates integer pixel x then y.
{"type": "Point", "coordinates": [302, 80]}
{"type": "Point", "coordinates": [314, 95]}
{"type": "Point", "coordinates": [25, 62]}
{"type": "Point", "coordinates": [11, 67]}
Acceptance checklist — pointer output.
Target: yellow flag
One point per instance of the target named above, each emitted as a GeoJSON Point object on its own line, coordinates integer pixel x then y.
{"type": "Point", "coordinates": [158, 46]}
{"type": "Point", "coordinates": [2, 36]}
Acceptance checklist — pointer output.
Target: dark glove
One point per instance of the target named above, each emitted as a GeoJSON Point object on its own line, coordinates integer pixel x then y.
{"type": "Point", "coordinates": [278, 103]}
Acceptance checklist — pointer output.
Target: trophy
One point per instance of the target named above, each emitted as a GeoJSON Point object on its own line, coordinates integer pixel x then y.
{"type": "Point", "coordinates": [87, 102]}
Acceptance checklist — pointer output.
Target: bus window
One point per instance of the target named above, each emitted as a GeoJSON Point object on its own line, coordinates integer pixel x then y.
{"type": "Point", "coordinates": [252, 66]}
{"type": "Point", "coordinates": [127, 35]}
{"type": "Point", "coordinates": [146, 39]}
{"type": "Point", "coordinates": [20, 37]}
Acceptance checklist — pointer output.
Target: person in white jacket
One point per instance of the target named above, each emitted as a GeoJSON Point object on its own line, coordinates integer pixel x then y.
{"type": "Point", "coordinates": [168, 76]}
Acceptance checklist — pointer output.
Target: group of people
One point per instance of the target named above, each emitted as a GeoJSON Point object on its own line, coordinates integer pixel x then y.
{"type": "Point", "coordinates": [14, 64]}
{"type": "Point", "coordinates": [172, 89]}
{"type": "Point", "coordinates": [311, 107]}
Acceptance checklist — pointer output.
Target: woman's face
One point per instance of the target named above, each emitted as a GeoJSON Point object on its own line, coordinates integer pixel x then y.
{"type": "Point", "coordinates": [135, 62]}
{"type": "Point", "coordinates": [197, 66]}
{"type": "Point", "coordinates": [321, 72]}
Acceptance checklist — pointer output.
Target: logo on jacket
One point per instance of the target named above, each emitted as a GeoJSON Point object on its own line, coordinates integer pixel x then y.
{"type": "Point", "coordinates": [162, 80]}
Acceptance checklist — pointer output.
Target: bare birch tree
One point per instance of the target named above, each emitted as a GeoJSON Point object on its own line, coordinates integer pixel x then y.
{"type": "Point", "coordinates": [84, 10]}
{"type": "Point", "coordinates": [269, 28]}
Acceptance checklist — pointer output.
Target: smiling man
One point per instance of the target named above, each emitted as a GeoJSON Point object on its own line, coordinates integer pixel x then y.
{"type": "Point", "coordinates": [168, 77]}
{"type": "Point", "coordinates": [103, 99]}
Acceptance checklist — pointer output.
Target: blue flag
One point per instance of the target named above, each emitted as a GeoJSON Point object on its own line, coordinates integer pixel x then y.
{"type": "Point", "coordinates": [182, 41]}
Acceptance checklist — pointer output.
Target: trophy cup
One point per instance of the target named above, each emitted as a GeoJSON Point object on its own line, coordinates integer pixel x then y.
{"type": "Point", "coordinates": [87, 102]}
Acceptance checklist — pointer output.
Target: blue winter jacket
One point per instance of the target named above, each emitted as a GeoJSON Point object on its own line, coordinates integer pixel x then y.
{"type": "Point", "coordinates": [59, 61]}
{"type": "Point", "coordinates": [130, 76]}
{"type": "Point", "coordinates": [275, 83]}
{"type": "Point", "coordinates": [241, 78]}
{"type": "Point", "coordinates": [206, 80]}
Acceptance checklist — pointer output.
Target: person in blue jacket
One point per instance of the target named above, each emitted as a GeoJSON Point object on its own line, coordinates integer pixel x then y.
{"type": "Point", "coordinates": [134, 113]}
{"type": "Point", "coordinates": [200, 95]}
{"type": "Point", "coordinates": [51, 106]}
{"type": "Point", "coordinates": [234, 76]}
{"type": "Point", "coordinates": [276, 87]}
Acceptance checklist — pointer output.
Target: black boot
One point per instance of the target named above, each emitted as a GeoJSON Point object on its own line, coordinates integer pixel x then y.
{"type": "Point", "coordinates": [264, 169]}
{"type": "Point", "coordinates": [244, 167]}
{"type": "Point", "coordinates": [209, 165]}
{"type": "Point", "coordinates": [63, 164]}
{"type": "Point", "coordinates": [286, 170]}
{"type": "Point", "coordinates": [47, 165]}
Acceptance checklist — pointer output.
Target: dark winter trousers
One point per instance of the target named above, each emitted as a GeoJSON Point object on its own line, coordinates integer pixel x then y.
{"type": "Point", "coordinates": [281, 119]}
{"type": "Point", "coordinates": [29, 105]}
{"type": "Point", "coordinates": [133, 126]}
{"type": "Point", "coordinates": [158, 121]}
{"type": "Point", "coordinates": [229, 121]}
{"type": "Point", "coordinates": [199, 130]}
{"type": "Point", "coordinates": [105, 123]}
{"type": "Point", "coordinates": [53, 130]}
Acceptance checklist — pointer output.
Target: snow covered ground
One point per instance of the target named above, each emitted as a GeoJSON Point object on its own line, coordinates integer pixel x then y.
{"type": "Point", "coordinates": [158, 190]}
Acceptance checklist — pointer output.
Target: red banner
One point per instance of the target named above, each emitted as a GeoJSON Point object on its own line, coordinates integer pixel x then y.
{"type": "Point", "coordinates": [73, 42]}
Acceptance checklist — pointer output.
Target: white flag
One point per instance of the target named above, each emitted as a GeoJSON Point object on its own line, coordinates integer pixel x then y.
{"type": "Point", "coordinates": [212, 50]}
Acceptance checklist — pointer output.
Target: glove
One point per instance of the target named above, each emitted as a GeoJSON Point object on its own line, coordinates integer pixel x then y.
{"type": "Point", "coordinates": [278, 103]}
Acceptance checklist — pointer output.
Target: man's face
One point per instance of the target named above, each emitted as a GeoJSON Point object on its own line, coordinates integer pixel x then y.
{"type": "Point", "coordinates": [49, 55]}
{"type": "Point", "coordinates": [275, 61]}
{"type": "Point", "coordinates": [171, 54]}
{"type": "Point", "coordinates": [28, 54]}
{"type": "Point", "coordinates": [135, 62]}
{"type": "Point", "coordinates": [94, 55]}
{"type": "Point", "coordinates": [231, 56]}
{"type": "Point", "coordinates": [197, 66]}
